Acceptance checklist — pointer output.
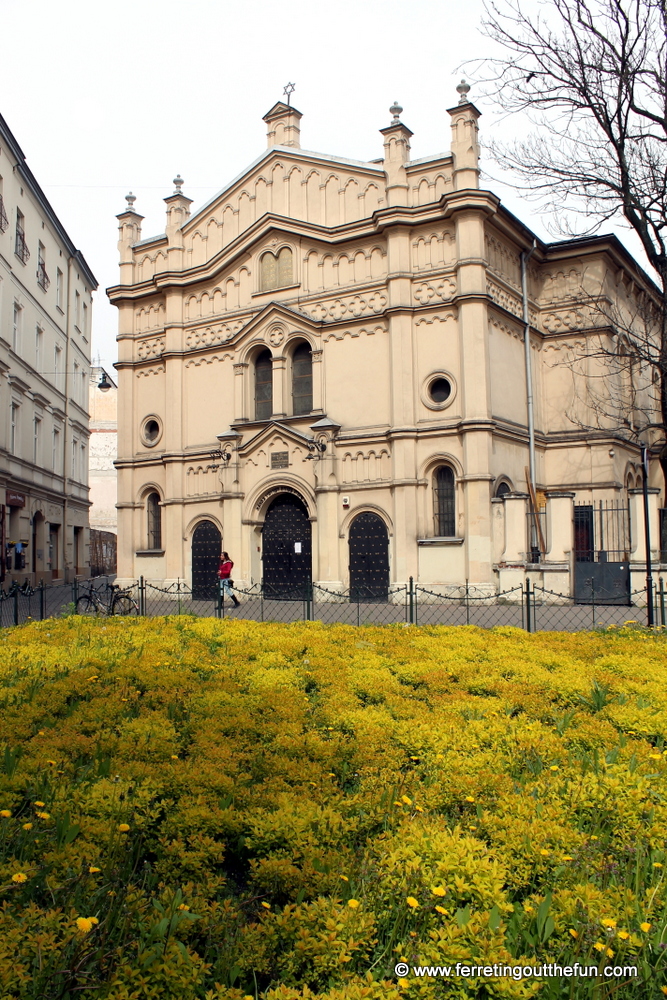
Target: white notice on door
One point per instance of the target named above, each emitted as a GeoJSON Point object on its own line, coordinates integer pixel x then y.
{"type": "Point", "coordinates": [297, 546]}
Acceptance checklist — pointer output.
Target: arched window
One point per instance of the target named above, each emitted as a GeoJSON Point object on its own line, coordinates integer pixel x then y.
{"type": "Point", "coordinates": [154, 521]}
{"type": "Point", "coordinates": [275, 272]}
{"type": "Point", "coordinates": [302, 379]}
{"type": "Point", "coordinates": [503, 488]}
{"type": "Point", "coordinates": [263, 386]}
{"type": "Point", "coordinates": [443, 502]}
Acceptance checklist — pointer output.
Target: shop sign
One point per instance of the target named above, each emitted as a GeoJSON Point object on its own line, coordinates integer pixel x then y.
{"type": "Point", "coordinates": [15, 499]}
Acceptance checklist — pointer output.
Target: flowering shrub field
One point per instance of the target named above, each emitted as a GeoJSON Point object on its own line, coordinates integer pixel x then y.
{"type": "Point", "coordinates": [192, 808]}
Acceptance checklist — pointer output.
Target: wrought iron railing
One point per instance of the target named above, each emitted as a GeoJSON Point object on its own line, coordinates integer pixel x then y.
{"type": "Point", "coordinates": [21, 247]}
{"type": "Point", "coordinates": [43, 279]}
{"type": "Point", "coordinates": [4, 221]}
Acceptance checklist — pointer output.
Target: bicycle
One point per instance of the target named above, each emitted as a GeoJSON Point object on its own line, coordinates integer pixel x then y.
{"type": "Point", "coordinates": [120, 603]}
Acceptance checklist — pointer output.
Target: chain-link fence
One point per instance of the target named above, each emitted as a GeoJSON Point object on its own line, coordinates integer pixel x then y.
{"type": "Point", "coordinates": [530, 607]}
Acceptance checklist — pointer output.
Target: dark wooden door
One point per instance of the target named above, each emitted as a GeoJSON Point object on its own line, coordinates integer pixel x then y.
{"type": "Point", "coordinates": [584, 544]}
{"type": "Point", "coordinates": [369, 558]}
{"type": "Point", "coordinates": [286, 549]}
{"type": "Point", "coordinates": [206, 548]}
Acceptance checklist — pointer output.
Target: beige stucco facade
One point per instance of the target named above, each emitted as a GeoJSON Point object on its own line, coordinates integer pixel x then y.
{"type": "Point", "coordinates": [401, 281]}
{"type": "Point", "coordinates": [45, 332]}
{"type": "Point", "coordinates": [103, 408]}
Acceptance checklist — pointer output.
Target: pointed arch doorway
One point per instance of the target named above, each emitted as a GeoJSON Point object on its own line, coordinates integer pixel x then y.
{"type": "Point", "coordinates": [369, 558]}
{"type": "Point", "coordinates": [206, 549]}
{"type": "Point", "coordinates": [286, 548]}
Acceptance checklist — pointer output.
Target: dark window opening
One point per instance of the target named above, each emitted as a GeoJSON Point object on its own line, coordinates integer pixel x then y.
{"type": "Point", "coordinates": [440, 390]}
{"type": "Point", "coordinates": [443, 503]}
{"type": "Point", "coordinates": [302, 379]}
{"type": "Point", "coordinates": [263, 386]}
{"type": "Point", "coordinates": [154, 519]}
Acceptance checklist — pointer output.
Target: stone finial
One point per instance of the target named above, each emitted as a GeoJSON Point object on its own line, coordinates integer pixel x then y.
{"type": "Point", "coordinates": [463, 89]}
{"type": "Point", "coordinates": [130, 199]}
{"type": "Point", "coordinates": [396, 110]}
{"type": "Point", "coordinates": [178, 183]}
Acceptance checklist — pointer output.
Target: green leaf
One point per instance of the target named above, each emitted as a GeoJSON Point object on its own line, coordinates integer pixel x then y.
{"type": "Point", "coordinates": [494, 918]}
{"type": "Point", "coordinates": [184, 951]}
{"type": "Point", "coordinates": [71, 834]}
{"type": "Point", "coordinates": [548, 929]}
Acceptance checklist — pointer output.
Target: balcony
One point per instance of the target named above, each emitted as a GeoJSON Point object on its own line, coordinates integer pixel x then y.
{"type": "Point", "coordinates": [21, 247]}
{"type": "Point", "coordinates": [43, 279]}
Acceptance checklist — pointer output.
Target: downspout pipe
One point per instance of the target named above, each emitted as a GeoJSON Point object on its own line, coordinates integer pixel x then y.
{"type": "Point", "coordinates": [525, 257]}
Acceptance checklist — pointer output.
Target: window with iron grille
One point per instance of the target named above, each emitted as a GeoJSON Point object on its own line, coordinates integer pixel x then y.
{"type": "Point", "coordinates": [154, 521]}
{"type": "Point", "coordinates": [263, 386]}
{"type": "Point", "coordinates": [20, 245]}
{"type": "Point", "coordinates": [302, 379]}
{"type": "Point", "coordinates": [4, 221]}
{"type": "Point", "coordinates": [444, 502]}
{"type": "Point", "coordinates": [43, 279]}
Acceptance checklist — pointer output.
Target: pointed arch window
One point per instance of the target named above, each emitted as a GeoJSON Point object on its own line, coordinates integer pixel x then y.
{"type": "Point", "coordinates": [263, 386]}
{"type": "Point", "coordinates": [276, 271]}
{"type": "Point", "coordinates": [302, 379]}
{"type": "Point", "coordinates": [444, 506]}
{"type": "Point", "coordinates": [154, 521]}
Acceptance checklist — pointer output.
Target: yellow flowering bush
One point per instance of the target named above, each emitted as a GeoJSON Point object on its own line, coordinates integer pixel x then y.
{"type": "Point", "coordinates": [216, 810]}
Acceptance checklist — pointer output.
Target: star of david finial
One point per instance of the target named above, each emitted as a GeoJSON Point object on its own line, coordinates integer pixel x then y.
{"type": "Point", "coordinates": [288, 91]}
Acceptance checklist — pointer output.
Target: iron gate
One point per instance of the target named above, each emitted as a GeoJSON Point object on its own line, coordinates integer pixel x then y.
{"type": "Point", "coordinates": [369, 558]}
{"type": "Point", "coordinates": [286, 548]}
{"type": "Point", "coordinates": [601, 552]}
{"type": "Point", "coordinates": [206, 549]}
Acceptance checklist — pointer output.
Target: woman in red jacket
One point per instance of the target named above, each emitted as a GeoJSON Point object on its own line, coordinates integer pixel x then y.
{"type": "Point", "coordinates": [224, 573]}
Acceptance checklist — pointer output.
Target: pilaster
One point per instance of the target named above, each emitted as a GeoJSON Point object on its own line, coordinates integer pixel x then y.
{"type": "Point", "coordinates": [232, 539]}
{"type": "Point", "coordinates": [279, 366]}
{"type": "Point", "coordinates": [560, 526]}
{"type": "Point", "coordinates": [240, 405]}
{"type": "Point", "coordinates": [516, 509]}
{"type": "Point", "coordinates": [178, 212]}
{"type": "Point", "coordinates": [637, 531]}
{"type": "Point", "coordinates": [129, 233]}
{"type": "Point", "coordinates": [318, 381]}
{"type": "Point", "coordinates": [465, 142]}
{"type": "Point", "coordinates": [396, 155]}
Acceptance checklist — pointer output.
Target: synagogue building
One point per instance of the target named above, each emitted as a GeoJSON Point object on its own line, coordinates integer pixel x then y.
{"type": "Point", "coordinates": [353, 373]}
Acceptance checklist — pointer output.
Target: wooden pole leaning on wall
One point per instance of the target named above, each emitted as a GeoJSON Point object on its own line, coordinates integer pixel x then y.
{"type": "Point", "coordinates": [533, 504]}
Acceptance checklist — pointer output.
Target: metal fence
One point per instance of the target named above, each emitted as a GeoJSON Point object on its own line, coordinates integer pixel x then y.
{"type": "Point", "coordinates": [529, 607]}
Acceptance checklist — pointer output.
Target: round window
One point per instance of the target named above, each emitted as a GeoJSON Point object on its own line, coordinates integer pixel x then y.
{"type": "Point", "coordinates": [440, 390]}
{"type": "Point", "coordinates": [151, 431]}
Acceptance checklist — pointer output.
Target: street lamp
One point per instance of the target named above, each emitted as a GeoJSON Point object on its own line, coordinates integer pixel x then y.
{"type": "Point", "coordinates": [104, 384]}
{"type": "Point", "coordinates": [315, 450]}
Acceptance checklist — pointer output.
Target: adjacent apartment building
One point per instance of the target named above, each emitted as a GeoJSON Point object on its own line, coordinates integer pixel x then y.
{"type": "Point", "coordinates": [45, 333]}
{"type": "Point", "coordinates": [327, 371]}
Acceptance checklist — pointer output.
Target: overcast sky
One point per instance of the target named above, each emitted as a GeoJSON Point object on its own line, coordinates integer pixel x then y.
{"type": "Point", "coordinates": [107, 98]}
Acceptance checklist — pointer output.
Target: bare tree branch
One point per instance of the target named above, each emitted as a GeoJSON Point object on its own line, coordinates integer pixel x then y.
{"type": "Point", "coordinates": [591, 75]}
